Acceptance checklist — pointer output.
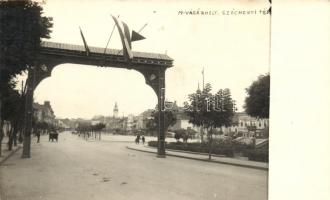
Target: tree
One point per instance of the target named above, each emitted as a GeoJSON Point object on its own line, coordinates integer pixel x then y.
{"type": "Point", "coordinates": [83, 127]}
{"type": "Point", "coordinates": [13, 111]}
{"type": "Point", "coordinates": [210, 111]}
{"type": "Point", "coordinates": [86, 127]}
{"type": "Point", "coordinates": [191, 132]}
{"type": "Point", "coordinates": [150, 125]}
{"type": "Point", "coordinates": [98, 127]}
{"type": "Point", "coordinates": [170, 119]}
{"type": "Point", "coordinates": [21, 30]}
{"type": "Point", "coordinates": [180, 133]}
{"type": "Point", "coordinates": [257, 101]}
{"type": "Point", "coordinates": [185, 134]}
{"type": "Point", "coordinates": [6, 112]}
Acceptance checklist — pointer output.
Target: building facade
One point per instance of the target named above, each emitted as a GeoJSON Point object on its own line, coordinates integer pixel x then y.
{"type": "Point", "coordinates": [247, 126]}
{"type": "Point", "coordinates": [44, 113]}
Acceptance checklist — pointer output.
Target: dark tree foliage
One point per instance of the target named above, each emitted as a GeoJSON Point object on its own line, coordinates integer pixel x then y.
{"type": "Point", "coordinates": [150, 125]}
{"type": "Point", "coordinates": [98, 127]}
{"type": "Point", "coordinates": [12, 103]}
{"type": "Point", "coordinates": [170, 119]}
{"type": "Point", "coordinates": [83, 127]}
{"type": "Point", "coordinates": [257, 101]}
{"type": "Point", "coordinates": [180, 133]}
{"type": "Point", "coordinates": [210, 111]}
{"type": "Point", "coordinates": [42, 125]}
{"type": "Point", "coordinates": [21, 28]}
{"type": "Point", "coordinates": [87, 127]}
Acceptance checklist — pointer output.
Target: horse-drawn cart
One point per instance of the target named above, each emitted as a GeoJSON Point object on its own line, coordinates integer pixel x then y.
{"type": "Point", "coordinates": [53, 136]}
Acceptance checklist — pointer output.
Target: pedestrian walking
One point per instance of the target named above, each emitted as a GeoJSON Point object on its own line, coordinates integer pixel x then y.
{"type": "Point", "coordinates": [137, 140]}
{"type": "Point", "coordinates": [143, 139]}
{"type": "Point", "coordinates": [38, 135]}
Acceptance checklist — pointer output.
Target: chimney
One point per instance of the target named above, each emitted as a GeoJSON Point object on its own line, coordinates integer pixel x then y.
{"type": "Point", "coordinates": [47, 103]}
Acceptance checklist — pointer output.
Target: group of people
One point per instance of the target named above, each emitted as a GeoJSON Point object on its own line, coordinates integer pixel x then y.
{"type": "Point", "coordinates": [137, 139]}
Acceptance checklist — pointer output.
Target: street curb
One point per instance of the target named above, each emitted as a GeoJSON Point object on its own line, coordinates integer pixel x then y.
{"type": "Point", "coordinates": [118, 141]}
{"type": "Point", "coordinates": [191, 152]}
{"type": "Point", "coordinates": [205, 160]}
{"type": "Point", "coordinates": [9, 155]}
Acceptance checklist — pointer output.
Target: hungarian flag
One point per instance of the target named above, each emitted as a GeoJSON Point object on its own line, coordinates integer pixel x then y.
{"type": "Point", "coordinates": [125, 38]}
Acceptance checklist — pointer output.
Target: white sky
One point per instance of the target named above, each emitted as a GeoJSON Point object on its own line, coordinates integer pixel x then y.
{"type": "Point", "coordinates": [233, 50]}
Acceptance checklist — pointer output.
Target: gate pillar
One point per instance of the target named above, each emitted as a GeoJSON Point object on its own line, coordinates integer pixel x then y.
{"type": "Point", "coordinates": [35, 75]}
{"type": "Point", "coordinates": [161, 114]}
{"type": "Point", "coordinates": [156, 79]}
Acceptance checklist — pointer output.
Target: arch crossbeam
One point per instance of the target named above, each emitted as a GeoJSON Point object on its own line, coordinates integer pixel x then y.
{"type": "Point", "coordinates": [111, 58]}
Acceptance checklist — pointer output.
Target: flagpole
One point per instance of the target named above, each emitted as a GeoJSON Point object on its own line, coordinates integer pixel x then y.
{"type": "Point", "coordinates": [203, 79]}
{"type": "Point", "coordinates": [143, 27]}
{"type": "Point", "coordinates": [85, 43]}
{"type": "Point", "coordinates": [270, 34]}
{"type": "Point", "coordinates": [113, 28]}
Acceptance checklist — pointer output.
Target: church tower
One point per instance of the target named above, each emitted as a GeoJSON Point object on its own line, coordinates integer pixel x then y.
{"type": "Point", "coordinates": [115, 111]}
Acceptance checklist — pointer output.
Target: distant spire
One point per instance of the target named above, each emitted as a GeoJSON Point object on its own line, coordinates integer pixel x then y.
{"type": "Point", "coordinates": [116, 107]}
{"type": "Point", "coordinates": [115, 110]}
{"type": "Point", "coordinates": [198, 87]}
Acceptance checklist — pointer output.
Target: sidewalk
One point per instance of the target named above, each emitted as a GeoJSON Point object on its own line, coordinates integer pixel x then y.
{"type": "Point", "coordinates": [5, 154]}
{"type": "Point", "coordinates": [202, 157]}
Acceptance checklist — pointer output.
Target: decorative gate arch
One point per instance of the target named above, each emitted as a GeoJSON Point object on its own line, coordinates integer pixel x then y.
{"type": "Point", "coordinates": [151, 65]}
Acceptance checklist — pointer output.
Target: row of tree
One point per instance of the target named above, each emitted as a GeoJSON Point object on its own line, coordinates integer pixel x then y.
{"type": "Point", "coordinates": [22, 27]}
{"type": "Point", "coordinates": [212, 111]}
{"type": "Point", "coordinates": [87, 130]}
{"type": "Point", "coordinates": [85, 127]}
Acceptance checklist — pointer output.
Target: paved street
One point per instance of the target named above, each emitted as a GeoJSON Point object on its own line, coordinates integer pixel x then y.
{"type": "Point", "coordinates": [77, 169]}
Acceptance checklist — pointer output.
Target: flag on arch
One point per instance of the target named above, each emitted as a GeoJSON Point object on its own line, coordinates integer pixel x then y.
{"type": "Point", "coordinates": [85, 43]}
{"type": "Point", "coordinates": [126, 37]}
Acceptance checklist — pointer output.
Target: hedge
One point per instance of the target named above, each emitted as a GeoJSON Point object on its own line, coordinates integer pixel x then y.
{"type": "Point", "coordinates": [227, 150]}
{"type": "Point", "coordinates": [257, 154]}
{"type": "Point", "coordinates": [197, 147]}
